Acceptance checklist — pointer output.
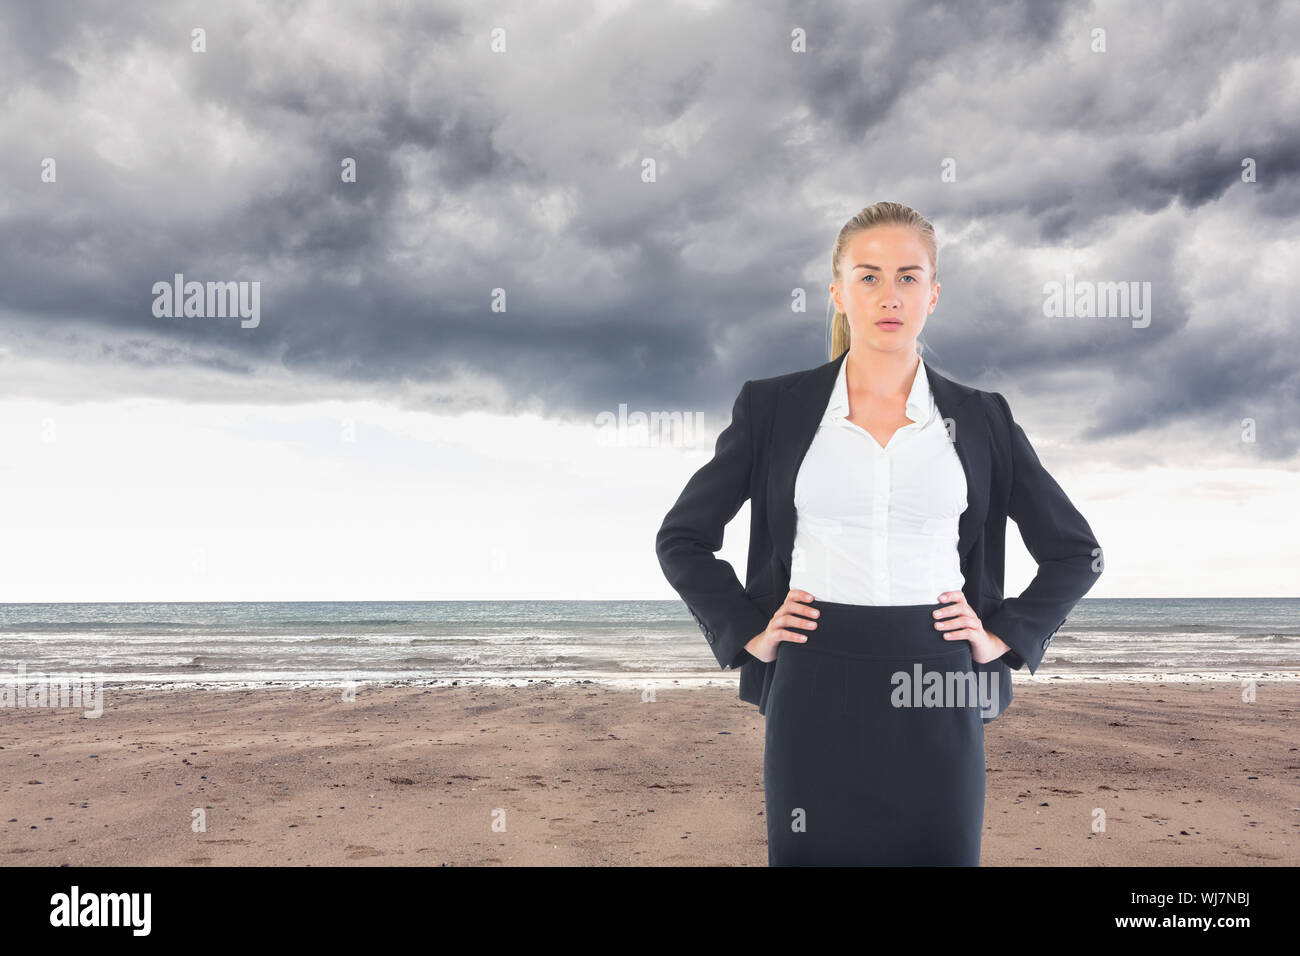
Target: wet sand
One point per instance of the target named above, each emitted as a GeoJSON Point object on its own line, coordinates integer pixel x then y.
{"type": "Point", "coordinates": [591, 775]}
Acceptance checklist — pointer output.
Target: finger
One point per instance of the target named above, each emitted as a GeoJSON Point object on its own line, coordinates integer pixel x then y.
{"type": "Point", "coordinates": [803, 609]}
{"type": "Point", "coordinates": [953, 622]}
{"type": "Point", "coordinates": [792, 636]}
{"type": "Point", "coordinates": [788, 619]}
{"type": "Point", "coordinates": [970, 619]}
{"type": "Point", "coordinates": [793, 603]}
{"type": "Point", "coordinates": [948, 610]}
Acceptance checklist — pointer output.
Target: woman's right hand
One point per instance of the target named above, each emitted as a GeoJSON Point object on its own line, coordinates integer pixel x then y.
{"type": "Point", "coordinates": [764, 646]}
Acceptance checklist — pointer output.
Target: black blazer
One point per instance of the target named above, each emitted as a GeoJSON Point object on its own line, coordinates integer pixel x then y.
{"type": "Point", "coordinates": [757, 457]}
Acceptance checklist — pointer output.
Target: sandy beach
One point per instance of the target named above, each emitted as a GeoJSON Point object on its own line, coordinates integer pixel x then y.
{"type": "Point", "coordinates": [591, 775]}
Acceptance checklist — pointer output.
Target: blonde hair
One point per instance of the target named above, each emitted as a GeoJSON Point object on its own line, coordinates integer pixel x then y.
{"type": "Point", "coordinates": [877, 214]}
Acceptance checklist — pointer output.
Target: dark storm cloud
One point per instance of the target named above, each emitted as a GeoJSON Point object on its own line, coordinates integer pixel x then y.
{"type": "Point", "coordinates": [522, 171]}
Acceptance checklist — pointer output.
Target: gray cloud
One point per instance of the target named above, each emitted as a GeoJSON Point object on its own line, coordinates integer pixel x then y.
{"type": "Point", "coordinates": [522, 171]}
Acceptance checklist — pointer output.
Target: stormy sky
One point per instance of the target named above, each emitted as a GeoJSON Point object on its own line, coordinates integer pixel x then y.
{"type": "Point", "coordinates": [473, 230]}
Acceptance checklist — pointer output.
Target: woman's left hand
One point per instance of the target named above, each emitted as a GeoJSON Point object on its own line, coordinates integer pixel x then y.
{"type": "Point", "coordinates": [959, 622]}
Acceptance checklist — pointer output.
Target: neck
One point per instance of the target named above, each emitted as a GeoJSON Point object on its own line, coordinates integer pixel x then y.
{"type": "Point", "coordinates": [880, 374]}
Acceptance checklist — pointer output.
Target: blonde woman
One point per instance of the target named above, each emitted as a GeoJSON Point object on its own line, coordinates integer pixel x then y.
{"type": "Point", "coordinates": [872, 631]}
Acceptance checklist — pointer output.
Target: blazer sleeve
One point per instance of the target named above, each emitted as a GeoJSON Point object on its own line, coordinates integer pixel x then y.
{"type": "Point", "coordinates": [1060, 542]}
{"type": "Point", "coordinates": [692, 532]}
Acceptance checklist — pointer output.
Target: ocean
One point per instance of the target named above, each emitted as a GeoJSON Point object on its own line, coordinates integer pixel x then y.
{"type": "Point", "coordinates": [619, 642]}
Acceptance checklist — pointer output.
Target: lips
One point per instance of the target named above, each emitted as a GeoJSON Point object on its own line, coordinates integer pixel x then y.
{"type": "Point", "coordinates": [889, 323]}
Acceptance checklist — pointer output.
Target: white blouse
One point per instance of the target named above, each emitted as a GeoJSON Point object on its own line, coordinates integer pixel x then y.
{"type": "Point", "coordinates": [879, 525]}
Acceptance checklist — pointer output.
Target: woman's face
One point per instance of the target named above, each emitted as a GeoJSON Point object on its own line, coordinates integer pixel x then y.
{"type": "Point", "coordinates": [887, 288]}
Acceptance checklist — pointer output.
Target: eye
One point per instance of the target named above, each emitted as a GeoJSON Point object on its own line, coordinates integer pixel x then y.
{"type": "Point", "coordinates": [867, 276]}
{"type": "Point", "coordinates": [910, 276]}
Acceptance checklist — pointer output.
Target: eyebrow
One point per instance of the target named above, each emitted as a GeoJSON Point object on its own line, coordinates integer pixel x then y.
{"type": "Point", "coordinates": [878, 269]}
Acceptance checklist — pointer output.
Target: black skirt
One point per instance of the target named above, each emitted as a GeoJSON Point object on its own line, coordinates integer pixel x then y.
{"type": "Point", "coordinates": [874, 748]}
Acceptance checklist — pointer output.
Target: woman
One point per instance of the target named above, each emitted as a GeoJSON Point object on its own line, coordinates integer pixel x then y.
{"type": "Point", "coordinates": [873, 633]}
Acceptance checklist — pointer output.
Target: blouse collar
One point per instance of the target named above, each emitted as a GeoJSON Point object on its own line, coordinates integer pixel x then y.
{"type": "Point", "coordinates": [919, 400]}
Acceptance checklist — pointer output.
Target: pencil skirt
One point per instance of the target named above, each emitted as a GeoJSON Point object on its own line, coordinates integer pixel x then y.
{"type": "Point", "coordinates": [874, 743]}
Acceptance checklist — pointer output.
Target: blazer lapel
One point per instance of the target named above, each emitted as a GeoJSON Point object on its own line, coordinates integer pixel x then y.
{"type": "Point", "coordinates": [799, 410]}
{"type": "Point", "coordinates": [968, 430]}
